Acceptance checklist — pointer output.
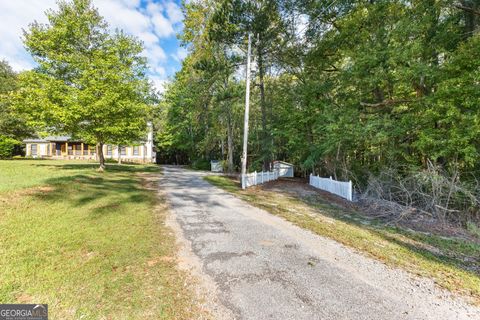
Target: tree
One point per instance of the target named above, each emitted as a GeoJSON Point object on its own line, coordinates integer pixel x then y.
{"type": "Point", "coordinates": [231, 23]}
{"type": "Point", "coordinates": [12, 124]}
{"type": "Point", "coordinates": [358, 86]}
{"type": "Point", "coordinates": [88, 83]}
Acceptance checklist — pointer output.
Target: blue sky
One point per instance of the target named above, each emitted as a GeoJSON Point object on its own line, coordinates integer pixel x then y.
{"type": "Point", "coordinates": [155, 22]}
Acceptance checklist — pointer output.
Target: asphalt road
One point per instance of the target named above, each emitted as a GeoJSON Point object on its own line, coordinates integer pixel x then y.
{"type": "Point", "coordinates": [263, 267]}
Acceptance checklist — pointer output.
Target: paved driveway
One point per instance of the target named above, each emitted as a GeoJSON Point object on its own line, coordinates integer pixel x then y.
{"type": "Point", "coordinates": [266, 268]}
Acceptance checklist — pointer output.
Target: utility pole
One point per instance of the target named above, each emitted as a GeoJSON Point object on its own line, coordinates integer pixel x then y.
{"type": "Point", "coordinates": [247, 107]}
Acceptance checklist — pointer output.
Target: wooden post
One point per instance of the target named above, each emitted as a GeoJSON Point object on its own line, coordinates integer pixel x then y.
{"type": "Point", "coordinates": [247, 107]}
{"type": "Point", "coordinates": [350, 191]}
{"type": "Point", "coordinates": [81, 149]}
{"type": "Point", "coordinates": [66, 149]}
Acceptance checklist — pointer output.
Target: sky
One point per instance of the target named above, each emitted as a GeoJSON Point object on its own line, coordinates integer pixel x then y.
{"type": "Point", "coordinates": [155, 22]}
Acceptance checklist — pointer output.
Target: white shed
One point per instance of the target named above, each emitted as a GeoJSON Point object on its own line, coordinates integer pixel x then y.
{"type": "Point", "coordinates": [284, 169]}
{"type": "Point", "coordinates": [216, 166]}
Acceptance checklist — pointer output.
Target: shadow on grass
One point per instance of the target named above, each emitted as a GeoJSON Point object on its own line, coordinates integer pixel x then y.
{"type": "Point", "coordinates": [454, 252]}
{"type": "Point", "coordinates": [109, 167]}
{"type": "Point", "coordinates": [100, 193]}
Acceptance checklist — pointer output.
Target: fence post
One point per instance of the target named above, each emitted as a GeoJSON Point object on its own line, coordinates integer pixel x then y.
{"type": "Point", "coordinates": [350, 191]}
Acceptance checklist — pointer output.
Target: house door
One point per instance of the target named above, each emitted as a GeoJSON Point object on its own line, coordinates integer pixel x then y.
{"type": "Point", "coordinates": [58, 149]}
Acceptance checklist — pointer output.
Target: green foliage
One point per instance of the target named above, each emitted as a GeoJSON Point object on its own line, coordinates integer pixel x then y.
{"type": "Point", "coordinates": [7, 147]}
{"type": "Point", "coordinates": [200, 164]}
{"type": "Point", "coordinates": [341, 88]}
{"type": "Point", "coordinates": [88, 83]}
{"type": "Point", "coordinates": [12, 124]}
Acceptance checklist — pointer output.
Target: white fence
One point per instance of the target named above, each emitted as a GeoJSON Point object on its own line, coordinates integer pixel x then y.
{"type": "Point", "coordinates": [342, 189]}
{"type": "Point", "coordinates": [252, 179]}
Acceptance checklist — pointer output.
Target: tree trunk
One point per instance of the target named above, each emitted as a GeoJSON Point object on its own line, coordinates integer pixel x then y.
{"type": "Point", "coordinates": [101, 157]}
{"type": "Point", "coordinates": [119, 148]}
{"type": "Point", "coordinates": [263, 107]}
{"type": "Point", "coordinates": [229, 143]}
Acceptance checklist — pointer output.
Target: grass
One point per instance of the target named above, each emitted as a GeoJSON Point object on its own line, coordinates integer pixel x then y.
{"type": "Point", "coordinates": [92, 245]}
{"type": "Point", "coordinates": [452, 263]}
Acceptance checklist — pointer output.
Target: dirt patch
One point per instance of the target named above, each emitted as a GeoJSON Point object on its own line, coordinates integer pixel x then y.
{"type": "Point", "coordinates": [17, 194]}
{"type": "Point", "coordinates": [24, 298]}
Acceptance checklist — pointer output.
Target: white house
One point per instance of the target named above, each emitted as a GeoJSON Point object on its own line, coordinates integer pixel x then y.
{"type": "Point", "coordinates": [64, 147]}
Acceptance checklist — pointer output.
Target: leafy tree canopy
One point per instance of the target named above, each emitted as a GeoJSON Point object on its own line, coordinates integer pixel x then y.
{"type": "Point", "coordinates": [89, 82]}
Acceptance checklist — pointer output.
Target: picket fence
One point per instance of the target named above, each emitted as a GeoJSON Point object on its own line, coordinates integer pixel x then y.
{"type": "Point", "coordinates": [340, 188]}
{"type": "Point", "coordinates": [254, 178]}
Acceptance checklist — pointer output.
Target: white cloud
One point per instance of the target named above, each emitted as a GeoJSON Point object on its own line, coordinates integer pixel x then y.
{"type": "Point", "coordinates": [121, 16]}
{"type": "Point", "coordinates": [159, 83]}
{"type": "Point", "coordinates": [15, 16]}
{"type": "Point", "coordinates": [174, 13]}
{"type": "Point", "coordinates": [181, 54]}
{"type": "Point", "coordinates": [162, 26]}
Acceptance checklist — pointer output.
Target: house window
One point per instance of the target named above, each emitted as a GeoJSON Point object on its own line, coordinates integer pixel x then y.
{"type": "Point", "coordinates": [123, 151]}
{"type": "Point", "coordinates": [93, 150]}
{"type": "Point", "coordinates": [109, 150]}
{"type": "Point", "coordinates": [135, 150]}
{"type": "Point", "coordinates": [34, 149]}
{"type": "Point", "coordinates": [85, 149]}
{"type": "Point", "coordinates": [70, 150]}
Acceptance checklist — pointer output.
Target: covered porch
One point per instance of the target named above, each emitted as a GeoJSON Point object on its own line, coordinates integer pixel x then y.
{"type": "Point", "coordinates": [63, 148]}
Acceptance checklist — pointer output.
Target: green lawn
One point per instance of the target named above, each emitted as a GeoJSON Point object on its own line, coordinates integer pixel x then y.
{"type": "Point", "coordinates": [92, 245]}
{"type": "Point", "coordinates": [452, 263]}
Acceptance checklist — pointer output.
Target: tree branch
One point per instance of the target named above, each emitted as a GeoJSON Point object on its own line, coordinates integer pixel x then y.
{"type": "Point", "coordinates": [384, 103]}
{"type": "Point", "coordinates": [468, 9]}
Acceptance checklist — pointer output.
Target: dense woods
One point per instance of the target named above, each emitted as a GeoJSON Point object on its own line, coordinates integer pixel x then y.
{"type": "Point", "coordinates": [362, 90]}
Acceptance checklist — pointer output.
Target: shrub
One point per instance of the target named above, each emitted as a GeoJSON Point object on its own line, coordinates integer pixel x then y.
{"type": "Point", "coordinates": [7, 147]}
{"type": "Point", "coordinates": [433, 191]}
{"type": "Point", "coordinates": [200, 164]}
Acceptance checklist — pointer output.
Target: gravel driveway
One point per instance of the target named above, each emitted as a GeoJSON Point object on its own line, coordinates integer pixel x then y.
{"type": "Point", "coordinates": [262, 267]}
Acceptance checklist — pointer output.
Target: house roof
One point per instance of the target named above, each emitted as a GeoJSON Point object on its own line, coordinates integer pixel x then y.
{"type": "Point", "coordinates": [58, 138]}
{"type": "Point", "coordinates": [48, 139]}
{"type": "Point", "coordinates": [34, 140]}
{"type": "Point", "coordinates": [279, 161]}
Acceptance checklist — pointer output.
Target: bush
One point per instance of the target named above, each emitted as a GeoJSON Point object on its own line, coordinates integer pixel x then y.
{"type": "Point", "coordinates": [201, 164]}
{"type": "Point", "coordinates": [7, 147]}
{"type": "Point", "coordinates": [434, 191]}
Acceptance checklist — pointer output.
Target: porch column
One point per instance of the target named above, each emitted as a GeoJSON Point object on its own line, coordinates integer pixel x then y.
{"type": "Point", "coordinates": [66, 149]}
{"type": "Point", "coordinates": [81, 149]}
